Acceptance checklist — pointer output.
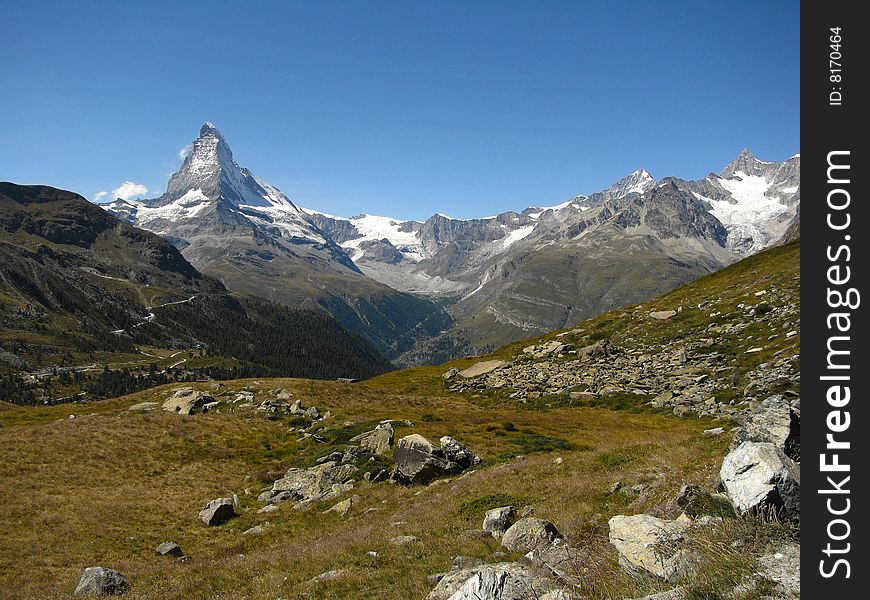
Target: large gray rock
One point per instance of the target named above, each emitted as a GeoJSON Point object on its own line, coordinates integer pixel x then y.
{"type": "Point", "coordinates": [100, 581]}
{"type": "Point", "coordinates": [500, 581]}
{"type": "Point", "coordinates": [759, 477]}
{"type": "Point", "coordinates": [458, 453]}
{"type": "Point", "coordinates": [217, 512]}
{"type": "Point", "coordinates": [378, 441]}
{"type": "Point", "coordinates": [776, 421]}
{"type": "Point", "coordinates": [528, 534]}
{"type": "Point", "coordinates": [481, 368]}
{"type": "Point", "coordinates": [315, 483]}
{"type": "Point", "coordinates": [498, 520]}
{"type": "Point", "coordinates": [649, 545]}
{"type": "Point", "coordinates": [419, 461]}
{"type": "Point", "coordinates": [187, 401]}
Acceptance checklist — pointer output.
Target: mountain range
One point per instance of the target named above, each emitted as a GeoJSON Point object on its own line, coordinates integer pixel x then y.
{"type": "Point", "coordinates": [428, 291]}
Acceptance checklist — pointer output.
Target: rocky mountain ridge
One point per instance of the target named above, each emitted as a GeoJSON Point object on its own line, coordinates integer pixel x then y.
{"type": "Point", "coordinates": [463, 286]}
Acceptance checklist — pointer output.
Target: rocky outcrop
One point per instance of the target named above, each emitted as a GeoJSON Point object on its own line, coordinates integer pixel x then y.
{"type": "Point", "coordinates": [419, 461]}
{"type": "Point", "coordinates": [217, 512]}
{"type": "Point", "coordinates": [776, 420]}
{"type": "Point", "coordinates": [304, 486]}
{"type": "Point", "coordinates": [100, 581]}
{"type": "Point", "coordinates": [481, 368]}
{"type": "Point", "coordinates": [758, 477]}
{"type": "Point", "coordinates": [378, 441]}
{"type": "Point", "coordinates": [651, 546]}
{"type": "Point", "coordinates": [187, 401]}
{"type": "Point", "coordinates": [528, 534]}
{"type": "Point", "coordinates": [500, 581]}
{"type": "Point", "coordinates": [498, 520]}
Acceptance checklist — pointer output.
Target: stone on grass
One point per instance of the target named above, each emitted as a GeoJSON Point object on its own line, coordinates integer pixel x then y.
{"type": "Point", "coordinates": [481, 368]}
{"type": "Point", "coordinates": [774, 421]}
{"type": "Point", "coordinates": [498, 520]}
{"type": "Point", "coordinates": [500, 581]}
{"type": "Point", "coordinates": [528, 534]}
{"type": "Point", "coordinates": [758, 477]}
{"type": "Point", "coordinates": [217, 512]}
{"type": "Point", "coordinates": [187, 401]}
{"type": "Point", "coordinates": [379, 440]}
{"type": "Point", "coordinates": [649, 545]}
{"type": "Point", "coordinates": [169, 549]}
{"type": "Point", "coordinates": [100, 581]}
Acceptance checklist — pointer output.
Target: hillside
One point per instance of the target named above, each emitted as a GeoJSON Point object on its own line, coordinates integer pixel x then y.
{"type": "Point", "coordinates": [80, 290]}
{"type": "Point", "coordinates": [575, 453]}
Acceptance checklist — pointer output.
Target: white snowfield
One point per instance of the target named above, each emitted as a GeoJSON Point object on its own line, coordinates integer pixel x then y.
{"type": "Point", "coordinates": [752, 204]}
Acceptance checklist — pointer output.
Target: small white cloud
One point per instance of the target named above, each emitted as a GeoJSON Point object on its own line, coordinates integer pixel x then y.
{"type": "Point", "coordinates": [100, 195]}
{"type": "Point", "coordinates": [128, 190]}
{"type": "Point", "coordinates": [182, 154]}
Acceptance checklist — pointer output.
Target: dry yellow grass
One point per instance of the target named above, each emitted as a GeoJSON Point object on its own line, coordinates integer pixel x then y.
{"type": "Point", "coordinates": [106, 489]}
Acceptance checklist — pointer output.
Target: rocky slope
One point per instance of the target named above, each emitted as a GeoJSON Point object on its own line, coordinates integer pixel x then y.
{"type": "Point", "coordinates": [560, 468]}
{"type": "Point", "coordinates": [251, 237]}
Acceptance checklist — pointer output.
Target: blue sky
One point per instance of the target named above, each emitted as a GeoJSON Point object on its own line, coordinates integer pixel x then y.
{"type": "Point", "coordinates": [398, 108]}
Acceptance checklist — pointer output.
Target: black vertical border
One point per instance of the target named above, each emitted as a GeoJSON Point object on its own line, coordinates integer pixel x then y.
{"type": "Point", "coordinates": [826, 128]}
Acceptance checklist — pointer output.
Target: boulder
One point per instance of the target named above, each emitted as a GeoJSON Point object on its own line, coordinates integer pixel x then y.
{"type": "Point", "coordinates": [774, 421]}
{"type": "Point", "coordinates": [481, 368]}
{"type": "Point", "coordinates": [528, 534]}
{"type": "Point", "coordinates": [500, 581]}
{"type": "Point", "coordinates": [217, 512]}
{"type": "Point", "coordinates": [100, 581]}
{"type": "Point", "coordinates": [649, 545]}
{"type": "Point", "coordinates": [312, 484]}
{"type": "Point", "coordinates": [759, 477]}
{"type": "Point", "coordinates": [450, 373]}
{"type": "Point", "coordinates": [662, 315]}
{"type": "Point", "coordinates": [418, 461]}
{"type": "Point", "coordinates": [458, 453]}
{"type": "Point", "coordinates": [169, 549]}
{"type": "Point", "coordinates": [557, 559]}
{"type": "Point", "coordinates": [498, 520]}
{"type": "Point", "coordinates": [379, 440]}
{"type": "Point", "coordinates": [187, 401]}
{"type": "Point", "coordinates": [144, 407]}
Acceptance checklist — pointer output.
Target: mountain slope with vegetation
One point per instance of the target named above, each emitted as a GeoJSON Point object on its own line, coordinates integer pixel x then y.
{"type": "Point", "coordinates": [80, 289]}
{"type": "Point", "coordinates": [574, 457]}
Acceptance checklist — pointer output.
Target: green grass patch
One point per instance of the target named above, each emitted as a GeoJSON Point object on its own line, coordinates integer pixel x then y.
{"type": "Point", "coordinates": [621, 457]}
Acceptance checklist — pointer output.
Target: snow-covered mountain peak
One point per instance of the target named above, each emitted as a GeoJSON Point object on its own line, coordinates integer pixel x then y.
{"type": "Point", "coordinates": [208, 129]}
{"type": "Point", "coordinates": [638, 182]}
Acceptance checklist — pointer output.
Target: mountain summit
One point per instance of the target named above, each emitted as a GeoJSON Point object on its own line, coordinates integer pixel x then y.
{"type": "Point", "coordinates": [247, 233]}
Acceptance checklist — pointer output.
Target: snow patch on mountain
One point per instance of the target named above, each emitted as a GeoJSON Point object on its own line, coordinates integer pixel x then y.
{"type": "Point", "coordinates": [516, 235]}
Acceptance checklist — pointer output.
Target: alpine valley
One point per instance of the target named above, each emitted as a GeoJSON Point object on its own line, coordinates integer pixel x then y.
{"type": "Point", "coordinates": [427, 292]}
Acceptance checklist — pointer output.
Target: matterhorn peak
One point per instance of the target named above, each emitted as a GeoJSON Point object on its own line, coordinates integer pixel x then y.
{"type": "Point", "coordinates": [208, 129]}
